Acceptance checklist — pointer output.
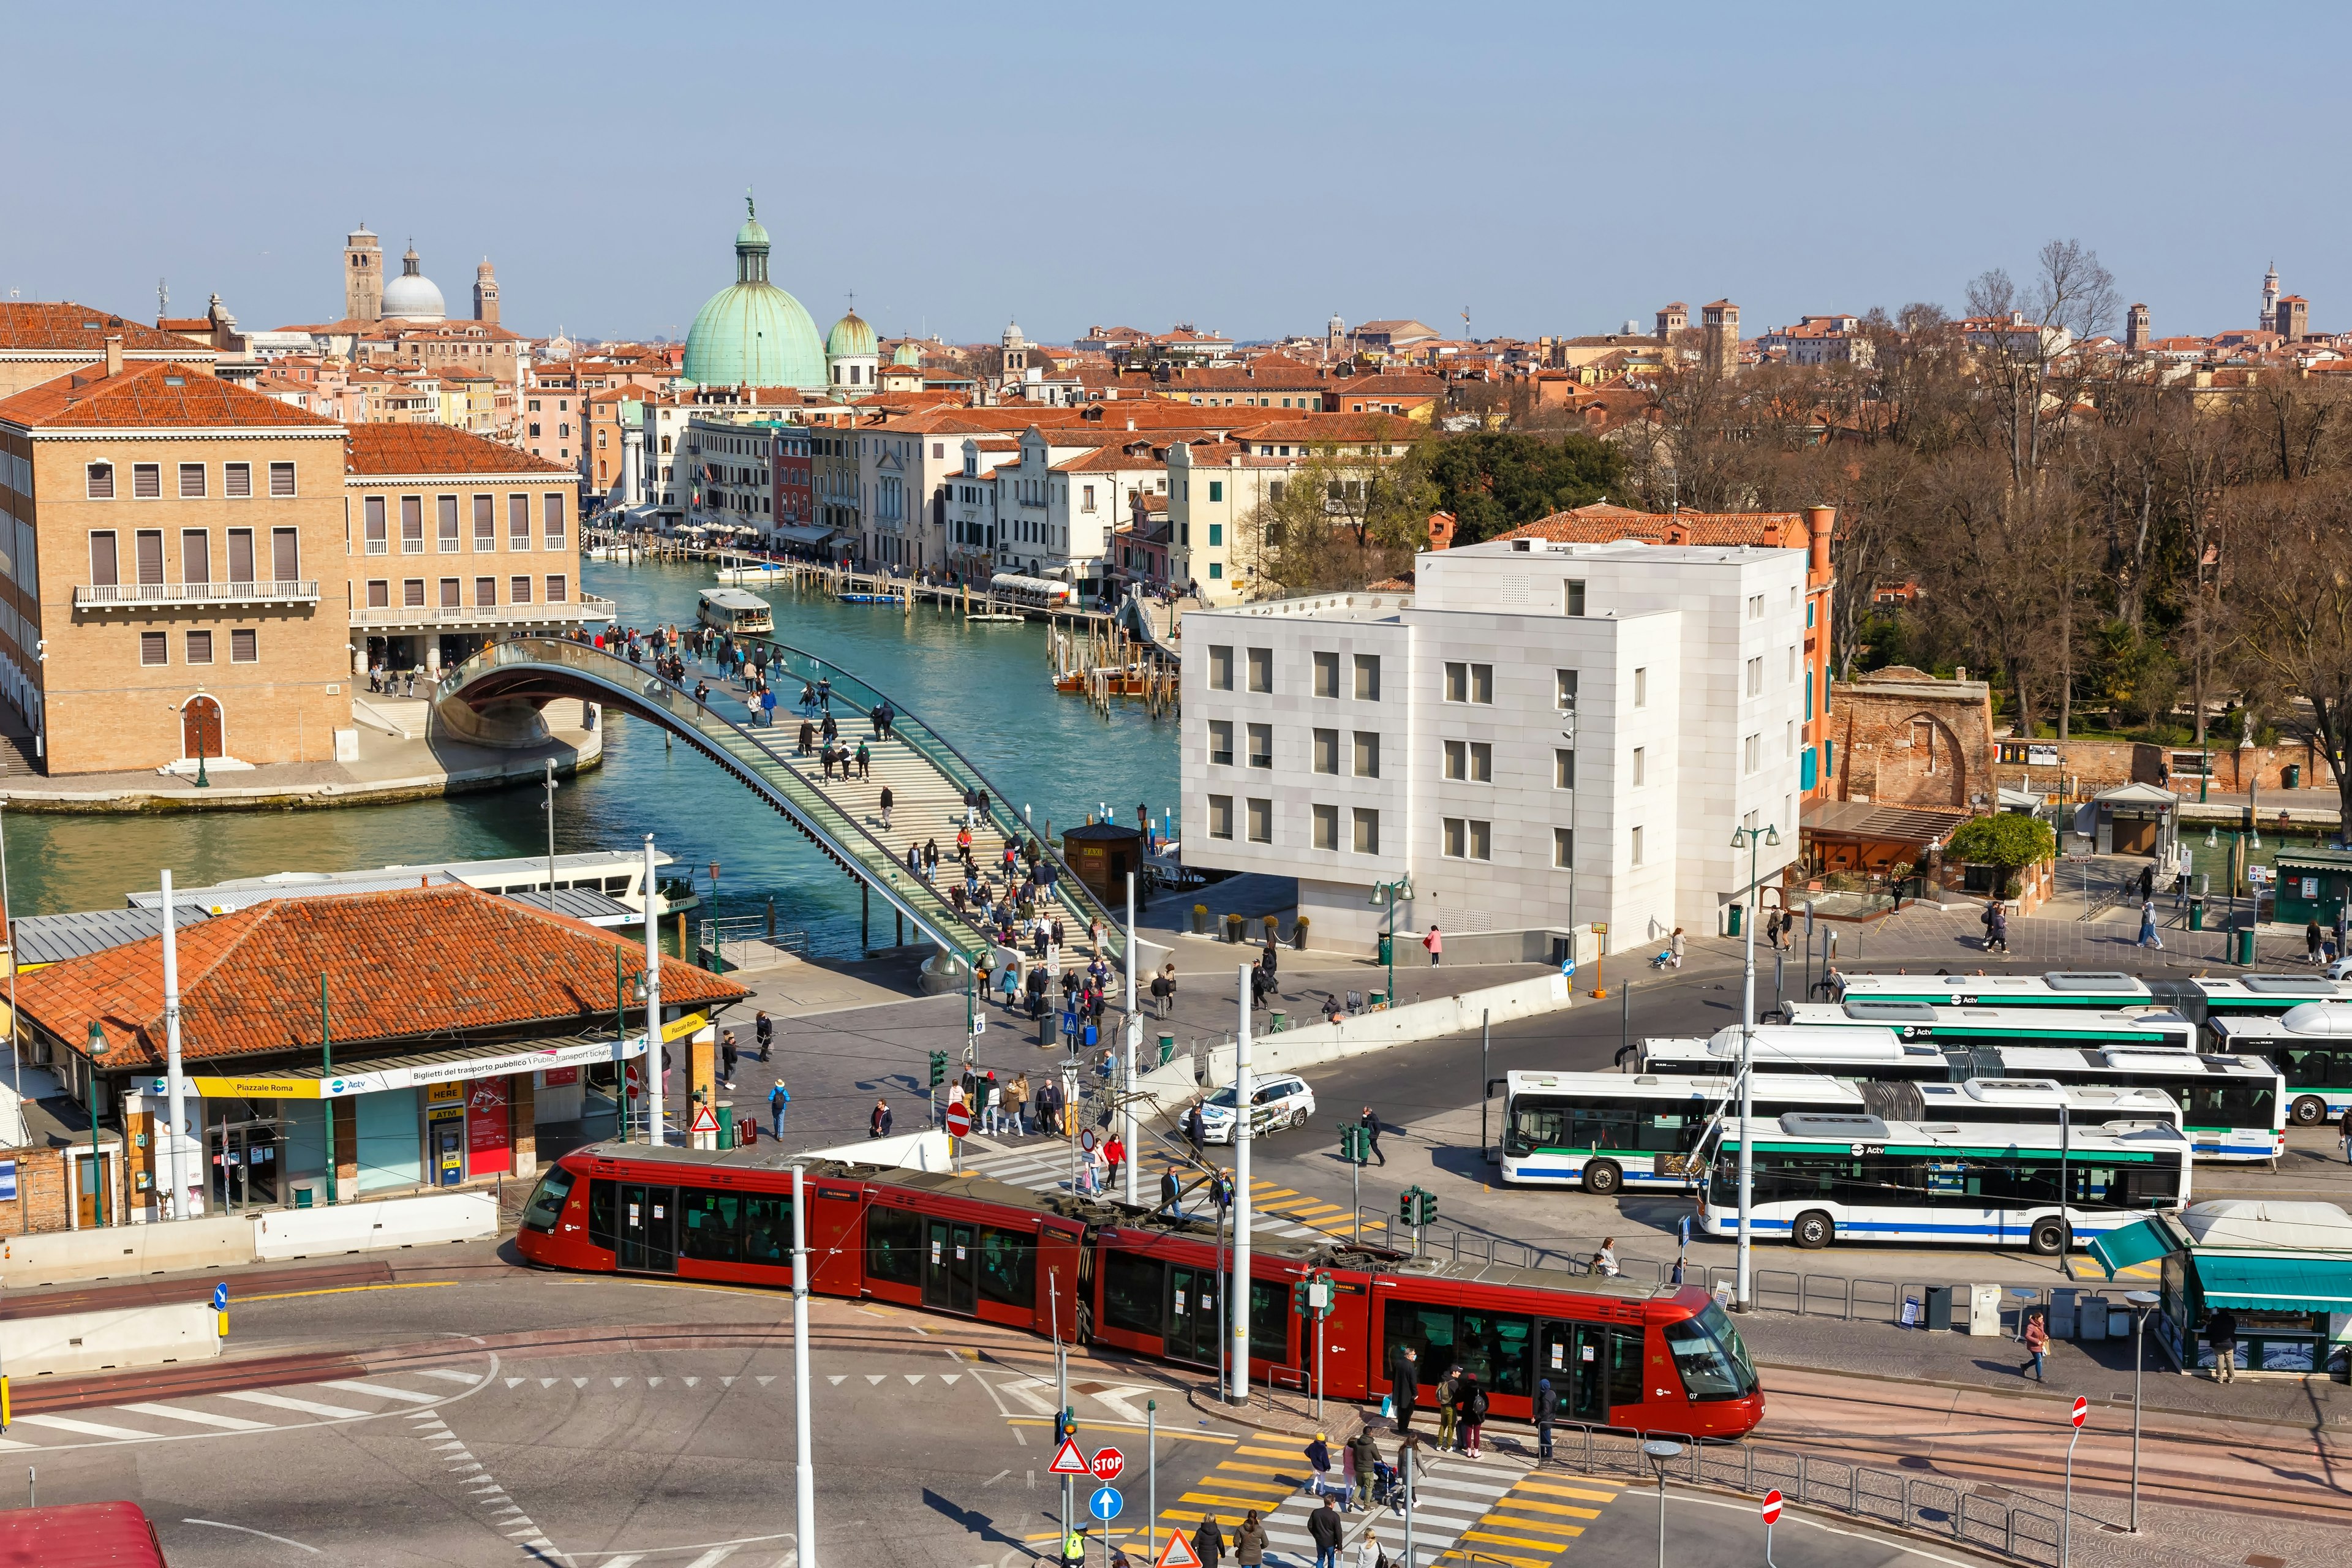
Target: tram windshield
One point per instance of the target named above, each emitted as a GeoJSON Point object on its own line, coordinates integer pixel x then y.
{"type": "Point", "coordinates": [1711, 1357]}
{"type": "Point", "coordinates": [546, 1206]}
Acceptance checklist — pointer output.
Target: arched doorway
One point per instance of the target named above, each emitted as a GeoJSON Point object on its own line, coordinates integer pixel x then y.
{"type": "Point", "coordinates": [200, 728]}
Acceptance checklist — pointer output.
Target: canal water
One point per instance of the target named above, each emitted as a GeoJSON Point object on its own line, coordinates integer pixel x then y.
{"type": "Point", "coordinates": [983, 687]}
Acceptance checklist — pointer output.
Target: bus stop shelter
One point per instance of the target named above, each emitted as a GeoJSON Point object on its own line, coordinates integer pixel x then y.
{"type": "Point", "coordinates": [2134, 819]}
{"type": "Point", "coordinates": [2284, 1270]}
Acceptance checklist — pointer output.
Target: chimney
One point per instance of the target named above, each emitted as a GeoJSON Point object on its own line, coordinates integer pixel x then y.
{"type": "Point", "coordinates": [114, 354]}
{"type": "Point", "coordinates": [1818, 521]}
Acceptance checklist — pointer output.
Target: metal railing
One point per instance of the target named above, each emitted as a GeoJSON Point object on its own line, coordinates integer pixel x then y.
{"type": "Point", "coordinates": [129, 595]}
{"type": "Point", "coordinates": [585, 608]}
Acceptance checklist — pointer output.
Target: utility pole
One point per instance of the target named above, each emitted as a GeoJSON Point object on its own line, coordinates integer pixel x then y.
{"type": "Point", "coordinates": [1134, 1038]}
{"type": "Point", "coordinates": [1751, 839]}
{"type": "Point", "coordinates": [172, 1091]}
{"type": "Point", "coordinates": [550, 786]}
{"type": "Point", "coordinates": [1237, 1297]}
{"type": "Point", "coordinates": [653, 1074]}
{"type": "Point", "coordinates": [804, 1467]}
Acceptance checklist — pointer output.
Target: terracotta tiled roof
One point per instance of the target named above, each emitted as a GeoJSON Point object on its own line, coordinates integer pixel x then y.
{"type": "Point", "coordinates": [150, 394]}
{"type": "Point", "coordinates": [1333, 429]}
{"type": "Point", "coordinates": [406, 968]}
{"type": "Point", "coordinates": [1601, 523]}
{"type": "Point", "coordinates": [78, 329]}
{"type": "Point", "coordinates": [406, 449]}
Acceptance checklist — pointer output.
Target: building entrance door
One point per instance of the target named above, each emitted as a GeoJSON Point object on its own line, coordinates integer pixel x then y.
{"type": "Point", "coordinates": [91, 1179]}
{"type": "Point", "coordinates": [200, 728]}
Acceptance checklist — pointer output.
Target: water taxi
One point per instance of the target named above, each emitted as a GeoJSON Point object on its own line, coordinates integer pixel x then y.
{"type": "Point", "coordinates": [616, 874]}
{"type": "Point", "coordinates": [735, 612]}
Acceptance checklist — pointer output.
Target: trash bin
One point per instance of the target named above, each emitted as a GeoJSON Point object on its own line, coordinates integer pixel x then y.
{"type": "Point", "coordinates": [1984, 1310]}
{"type": "Point", "coordinates": [2196, 914]}
{"type": "Point", "coordinates": [2292, 778]}
{"type": "Point", "coordinates": [1166, 1049]}
{"type": "Point", "coordinates": [2061, 1312]}
{"type": "Point", "coordinates": [1734, 921]}
{"type": "Point", "coordinates": [1388, 950]}
{"type": "Point", "coordinates": [2243, 942]}
{"type": "Point", "coordinates": [726, 1126]}
{"type": "Point", "coordinates": [1049, 1026]}
{"type": "Point", "coordinates": [1274, 1023]}
{"type": "Point", "coordinates": [1379, 1000]}
{"type": "Point", "coordinates": [2091, 1318]}
{"type": "Point", "coordinates": [1939, 1308]}
{"type": "Point", "coordinates": [306, 1194]}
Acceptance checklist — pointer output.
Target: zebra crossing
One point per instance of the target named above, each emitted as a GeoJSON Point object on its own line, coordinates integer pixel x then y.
{"type": "Point", "coordinates": [1274, 1210]}
{"type": "Point", "coordinates": [240, 1411]}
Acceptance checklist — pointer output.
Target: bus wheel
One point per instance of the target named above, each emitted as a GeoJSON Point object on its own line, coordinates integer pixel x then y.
{"type": "Point", "coordinates": [1602, 1177]}
{"type": "Point", "coordinates": [1812, 1230]}
{"type": "Point", "coordinates": [2308, 1111]}
{"type": "Point", "coordinates": [2049, 1237]}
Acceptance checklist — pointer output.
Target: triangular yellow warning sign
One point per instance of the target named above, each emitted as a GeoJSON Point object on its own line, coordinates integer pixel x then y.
{"type": "Point", "coordinates": [1178, 1552]}
{"type": "Point", "coordinates": [1068, 1461]}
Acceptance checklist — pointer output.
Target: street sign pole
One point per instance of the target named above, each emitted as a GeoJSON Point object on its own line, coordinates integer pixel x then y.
{"type": "Point", "coordinates": [2066, 1525]}
{"type": "Point", "coordinates": [1770, 1512]}
{"type": "Point", "coordinates": [1150, 1463]}
{"type": "Point", "coordinates": [803, 1465]}
{"type": "Point", "coordinates": [1237, 1295]}
{"type": "Point", "coordinates": [1405, 1479]}
{"type": "Point", "coordinates": [1134, 1030]}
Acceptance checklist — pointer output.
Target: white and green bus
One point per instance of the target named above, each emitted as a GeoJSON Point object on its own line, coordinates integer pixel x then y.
{"type": "Point", "coordinates": [2022, 1100]}
{"type": "Point", "coordinates": [1843, 1052]}
{"type": "Point", "coordinates": [1604, 1131]}
{"type": "Point", "coordinates": [2234, 1108]}
{"type": "Point", "coordinates": [2210, 1001]}
{"type": "Point", "coordinates": [1820, 1177]}
{"type": "Point", "coordinates": [1977, 1028]}
{"type": "Point", "coordinates": [2311, 1047]}
{"type": "Point", "coordinates": [2073, 989]}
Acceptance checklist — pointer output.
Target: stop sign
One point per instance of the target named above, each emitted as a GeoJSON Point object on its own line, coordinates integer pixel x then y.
{"type": "Point", "coordinates": [958, 1120]}
{"type": "Point", "coordinates": [1771, 1508]}
{"type": "Point", "coordinates": [1107, 1464]}
{"type": "Point", "coordinates": [2082, 1410]}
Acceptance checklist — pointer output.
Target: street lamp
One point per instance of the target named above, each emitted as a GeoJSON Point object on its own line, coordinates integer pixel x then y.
{"type": "Point", "coordinates": [1753, 840]}
{"type": "Point", "coordinates": [1661, 1453]}
{"type": "Point", "coordinates": [97, 1170]}
{"type": "Point", "coordinates": [2141, 1302]}
{"type": "Point", "coordinates": [1399, 889]}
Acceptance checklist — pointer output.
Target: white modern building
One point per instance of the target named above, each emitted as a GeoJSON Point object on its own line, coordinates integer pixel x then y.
{"type": "Point", "coordinates": [1542, 735]}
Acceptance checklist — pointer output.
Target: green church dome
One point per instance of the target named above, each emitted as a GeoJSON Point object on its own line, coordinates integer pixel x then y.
{"type": "Point", "coordinates": [850, 337]}
{"type": "Point", "coordinates": [908, 353]}
{"type": "Point", "coordinates": [753, 333]}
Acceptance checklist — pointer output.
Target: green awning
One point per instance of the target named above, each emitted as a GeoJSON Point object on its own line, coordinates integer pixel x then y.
{"type": "Point", "coordinates": [2137, 1242]}
{"type": "Point", "coordinates": [2277, 1284]}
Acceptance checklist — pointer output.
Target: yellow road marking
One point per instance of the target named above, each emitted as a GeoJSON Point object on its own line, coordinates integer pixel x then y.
{"type": "Point", "coordinates": [1456, 1551]}
{"type": "Point", "coordinates": [1244, 1484]}
{"type": "Point", "coordinates": [1241, 1502]}
{"type": "Point", "coordinates": [1509, 1540]}
{"type": "Point", "coordinates": [348, 1290]}
{"type": "Point", "coordinates": [1570, 1512]}
{"type": "Point", "coordinates": [1291, 1454]}
{"type": "Point", "coordinates": [1547, 1526]}
{"type": "Point", "coordinates": [1547, 1490]}
{"type": "Point", "coordinates": [1260, 1469]}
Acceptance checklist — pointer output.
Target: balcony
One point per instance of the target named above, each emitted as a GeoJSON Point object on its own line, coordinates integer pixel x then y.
{"type": "Point", "coordinates": [583, 610]}
{"type": "Point", "coordinates": [178, 595]}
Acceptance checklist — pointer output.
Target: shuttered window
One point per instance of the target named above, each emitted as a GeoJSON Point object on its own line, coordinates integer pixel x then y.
{"type": "Point", "coordinates": [101, 481]}
{"type": "Point", "coordinates": [281, 479]}
{"type": "Point", "coordinates": [104, 571]}
{"type": "Point", "coordinates": [244, 645]}
{"type": "Point", "coordinates": [284, 553]}
{"type": "Point", "coordinates": [196, 556]}
{"type": "Point", "coordinates": [240, 556]}
{"type": "Point", "coordinates": [485, 591]}
{"type": "Point", "coordinates": [519, 591]}
{"type": "Point", "coordinates": [146, 481]}
{"type": "Point", "coordinates": [372, 524]}
{"type": "Point", "coordinates": [412, 525]}
{"type": "Point", "coordinates": [412, 593]}
{"type": "Point", "coordinates": [192, 481]}
{"type": "Point", "coordinates": [557, 589]}
{"type": "Point", "coordinates": [485, 523]}
{"type": "Point", "coordinates": [518, 522]}
{"type": "Point", "coordinates": [153, 649]}
{"type": "Point", "coordinates": [553, 511]}
{"type": "Point", "coordinates": [200, 647]}
{"type": "Point", "coordinates": [446, 523]}
{"type": "Point", "coordinates": [150, 555]}
{"type": "Point", "coordinates": [237, 479]}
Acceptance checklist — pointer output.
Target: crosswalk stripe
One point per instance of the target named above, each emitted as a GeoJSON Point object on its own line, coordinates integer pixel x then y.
{"type": "Point", "coordinates": [385, 1391]}
{"type": "Point", "coordinates": [306, 1406]}
{"type": "Point", "coordinates": [1505, 1557]}
{"type": "Point", "coordinates": [201, 1417]}
{"type": "Point", "coordinates": [452, 1375]}
{"type": "Point", "coordinates": [81, 1428]}
{"type": "Point", "coordinates": [1551, 1489]}
{"type": "Point", "coordinates": [1570, 1510]}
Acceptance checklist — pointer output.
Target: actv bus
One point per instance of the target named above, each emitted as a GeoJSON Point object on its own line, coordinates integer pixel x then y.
{"type": "Point", "coordinates": [1856, 1053]}
{"type": "Point", "coordinates": [1604, 1130]}
{"type": "Point", "coordinates": [2098, 990]}
{"type": "Point", "coordinates": [2233, 1107]}
{"type": "Point", "coordinates": [1619, 1354]}
{"type": "Point", "coordinates": [1974, 1027]}
{"type": "Point", "coordinates": [2311, 1046]}
{"type": "Point", "coordinates": [1819, 1177]}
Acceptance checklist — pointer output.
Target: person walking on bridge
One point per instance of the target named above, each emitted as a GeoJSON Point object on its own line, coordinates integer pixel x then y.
{"type": "Point", "coordinates": [886, 790]}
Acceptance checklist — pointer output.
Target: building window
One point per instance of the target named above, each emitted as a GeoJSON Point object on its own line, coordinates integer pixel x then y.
{"type": "Point", "coordinates": [1326, 827]}
{"type": "Point", "coordinates": [449, 600]}
{"type": "Point", "coordinates": [379, 593]}
{"type": "Point", "coordinates": [192, 481]}
{"type": "Point", "coordinates": [1217, 571]}
{"type": "Point", "coordinates": [244, 645]}
{"type": "Point", "coordinates": [1216, 533]}
{"type": "Point", "coordinates": [1469, 682]}
{"type": "Point", "coordinates": [1793, 661]}
{"type": "Point", "coordinates": [281, 479]}
{"type": "Point", "coordinates": [196, 556]}
{"type": "Point", "coordinates": [200, 647]}
{"type": "Point", "coordinates": [1261, 669]}
{"type": "Point", "coordinates": [1756, 677]}
{"type": "Point", "coordinates": [1220, 669]}
{"type": "Point", "coordinates": [1457, 759]}
{"type": "Point", "coordinates": [444, 524]}
{"type": "Point", "coordinates": [150, 545]}
{"type": "Point", "coordinates": [1572, 598]}
{"type": "Point", "coordinates": [1751, 753]}
{"type": "Point", "coordinates": [486, 523]}
{"type": "Point", "coordinates": [518, 590]}
{"type": "Point", "coordinates": [1087, 502]}
{"type": "Point", "coordinates": [236, 481]}
{"type": "Point", "coordinates": [146, 481]}
{"type": "Point", "coordinates": [412, 593]}
{"type": "Point", "coordinates": [99, 482]}
{"type": "Point", "coordinates": [1274, 491]}
{"type": "Point", "coordinates": [1633, 846]}
{"type": "Point", "coordinates": [1220, 816]}
{"type": "Point", "coordinates": [1563, 849]}
{"type": "Point", "coordinates": [1368, 755]}
{"type": "Point", "coordinates": [1368, 677]}
{"type": "Point", "coordinates": [1368, 831]}
{"type": "Point", "coordinates": [104, 568]}
{"type": "Point", "coordinates": [1327, 751]}
{"type": "Point", "coordinates": [1261, 821]}
{"type": "Point", "coordinates": [1221, 742]}
{"type": "Point", "coordinates": [154, 648]}
{"type": "Point", "coordinates": [412, 525]}
{"type": "Point", "coordinates": [557, 588]}
{"type": "Point", "coordinates": [1216, 490]}
{"type": "Point", "coordinates": [1564, 689]}
{"type": "Point", "coordinates": [1466, 838]}
{"type": "Point", "coordinates": [1563, 767]}
{"type": "Point", "coordinates": [1641, 767]}
{"type": "Point", "coordinates": [1641, 688]}
{"type": "Point", "coordinates": [1326, 675]}
{"type": "Point", "coordinates": [485, 592]}
{"type": "Point", "coordinates": [518, 522]}
{"type": "Point", "coordinates": [1754, 607]}
{"type": "Point", "coordinates": [551, 518]}
{"type": "Point", "coordinates": [1261, 745]}
{"type": "Point", "coordinates": [371, 525]}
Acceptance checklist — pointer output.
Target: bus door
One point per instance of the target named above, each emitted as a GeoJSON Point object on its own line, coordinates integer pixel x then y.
{"type": "Point", "coordinates": [835, 1251]}
{"type": "Point", "coordinates": [1193, 1325]}
{"type": "Point", "coordinates": [649, 1230]}
{"type": "Point", "coordinates": [951, 1280]}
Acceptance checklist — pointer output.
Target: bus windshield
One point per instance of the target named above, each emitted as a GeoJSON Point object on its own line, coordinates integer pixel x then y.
{"type": "Point", "coordinates": [1711, 1357]}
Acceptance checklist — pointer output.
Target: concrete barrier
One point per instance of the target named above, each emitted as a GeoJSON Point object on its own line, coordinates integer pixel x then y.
{"type": "Point", "coordinates": [925, 1150]}
{"type": "Point", "coordinates": [125, 1251]}
{"type": "Point", "coordinates": [1358, 1034]}
{"type": "Point", "coordinates": [115, 1337]}
{"type": "Point", "coordinates": [386, 1223]}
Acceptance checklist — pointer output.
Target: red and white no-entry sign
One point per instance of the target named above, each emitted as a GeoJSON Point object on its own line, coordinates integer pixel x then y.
{"type": "Point", "coordinates": [1108, 1464]}
{"type": "Point", "coordinates": [1771, 1508]}
{"type": "Point", "coordinates": [2082, 1410]}
{"type": "Point", "coordinates": [958, 1120]}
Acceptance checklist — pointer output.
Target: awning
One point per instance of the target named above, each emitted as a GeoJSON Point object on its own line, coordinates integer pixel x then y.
{"type": "Point", "coordinates": [411, 1072]}
{"type": "Point", "coordinates": [2277, 1284]}
{"type": "Point", "coordinates": [2127, 1245]}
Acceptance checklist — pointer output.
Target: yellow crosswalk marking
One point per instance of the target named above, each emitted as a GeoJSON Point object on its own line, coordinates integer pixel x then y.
{"type": "Point", "coordinates": [1567, 1509]}
{"type": "Point", "coordinates": [1265, 1453]}
{"type": "Point", "coordinates": [1508, 1540]}
{"type": "Point", "coordinates": [1547, 1490]}
{"type": "Point", "coordinates": [1549, 1527]}
{"type": "Point", "coordinates": [1244, 1484]}
{"type": "Point", "coordinates": [1456, 1553]}
{"type": "Point", "coordinates": [1226, 1501]}
{"type": "Point", "coordinates": [1231, 1465]}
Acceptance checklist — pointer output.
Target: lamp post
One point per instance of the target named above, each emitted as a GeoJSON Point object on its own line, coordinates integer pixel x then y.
{"type": "Point", "coordinates": [97, 1170]}
{"type": "Point", "coordinates": [2141, 1302]}
{"type": "Point", "coordinates": [1661, 1453]}
{"type": "Point", "coordinates": [1752, 839]}
{"type": "Point", "coordinates": [550, 786]}
{"type": "Point", "coordinates": [1399, 889]}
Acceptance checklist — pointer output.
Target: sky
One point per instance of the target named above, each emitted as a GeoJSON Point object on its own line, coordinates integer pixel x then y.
{"type": "Point", "coordinates": [1244, 168]}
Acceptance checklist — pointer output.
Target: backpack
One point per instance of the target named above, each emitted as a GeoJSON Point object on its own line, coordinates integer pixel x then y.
{"type": "Point", "coordinates": [1477, 1404]}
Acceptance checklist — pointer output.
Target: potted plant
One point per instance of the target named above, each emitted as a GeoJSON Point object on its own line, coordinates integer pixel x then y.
{"type": "Point", "coordinates": [1200, 920]}
{"type": "Point", "coordinates": [1298, 934]}
{"type": "Point", "coordinates": [2008, 841]}
{"type": "Point", "coordinates": [1273, 928]}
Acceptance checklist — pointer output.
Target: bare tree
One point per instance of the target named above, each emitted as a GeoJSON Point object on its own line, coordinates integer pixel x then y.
{"type": "Point", "coordinates": [2295, 634]}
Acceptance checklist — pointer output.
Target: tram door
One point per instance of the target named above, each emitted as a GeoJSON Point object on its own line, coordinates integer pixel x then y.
{"type": "Point", "coordinates": [1193, 1326]}
{"type": "Point", "coordinates": [1591, 1366]}
{"type": "Point", "coordinates": [953, 1279]}
{"type": "Point", "coordinates": [648, 1229]}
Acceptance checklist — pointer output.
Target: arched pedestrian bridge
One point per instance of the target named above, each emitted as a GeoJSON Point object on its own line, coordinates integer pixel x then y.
{"type": "Point", "coordinates": [928, 777]}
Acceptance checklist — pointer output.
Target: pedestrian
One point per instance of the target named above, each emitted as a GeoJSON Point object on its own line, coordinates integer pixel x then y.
{"type": "Point", "coordinates": [2148, 937]}
{"type": "Point", "coordinates": [1372, 1126]}
{"type": "Point", "coordinates": [1546, 1405]}
{"type": "Point", "coordinates": [1369, 1553]}
{"type": "Point", "coordinates": [2037, 1345]}
{"type": "Point", "coordinates": [864, 767]}
{"type": "Point", "coordinates": [1404, 1383]}
{"type": "Point", "coordinates": [1249, 1540]}
{"type": "Point", "coordinates": [994, 1117]}
{"type": "Point", "coordinates": [2147, 881]}
{"type": "Point", "coordinates": [1470, 1400]}
{"type": "Point", "coordinates": [2343, 1133]}
{"type": "Point", "coordinates": [763, 1034]}
{"type": "Point", "coordinates": [1435, 942]}
{"type": "Point", "coordinates": [1209, 1542]}
{"type": "Point", "coordinates": [780, 1099]}
{"type": "Point", "coordinates": [1773, 929]}
{"type": "Point", "coordinates": [2311, 943]}
{"type": "Point", "coordinates": [1324, 1529]}
{"type": "Point", "coordinates": [1016, 1105]}
{"type": "Point", "coordinates": [1192, 1133]}
{"type": "Point", "coordinates": [885, 801]}
{"type": "Point", "coordinates": [1160, 988]}
{"type": "Point", "coordinates": [1449, 1415]}
{"type": "Point", "coordinates": [1604, 1262]}
{"type": "Point", "coordinates": [728, 1056]}
{"type": "Point", "coordinates": [1364, 1451]}
{"type": "Point", "coordinates": [1172, 1191]}
{"type": "Point", "coordinates": [1676, 945]}
{"type": "Point", "coordinates": [1319, 1466]}
{"type": "Point", "coordinates": [1114, 1156]}
{"type": "Point", "coordinates": [1997, 938]}
{"type": "Point", "coordinates": [879, 1124]}
{"type": "Point", "coordinates": [2221, 1333]}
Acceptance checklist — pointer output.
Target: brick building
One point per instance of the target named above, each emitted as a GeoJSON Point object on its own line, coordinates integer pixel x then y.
{"type": "Point", "coordinates": [1916, 758]}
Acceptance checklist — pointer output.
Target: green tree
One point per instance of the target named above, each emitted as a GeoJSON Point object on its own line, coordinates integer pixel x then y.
{"type": "Point", "coordinates": [2009, 841]}
{"type": "Point", "coordinates": [1344, 519]}
{"type": "Point", "coordinates": [1494, 480]}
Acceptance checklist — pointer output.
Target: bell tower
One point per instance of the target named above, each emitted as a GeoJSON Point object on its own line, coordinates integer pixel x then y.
{"type": "Point", "coordinates": [363, 275]}
{"type": "Point", "coordinates": [486, 293]}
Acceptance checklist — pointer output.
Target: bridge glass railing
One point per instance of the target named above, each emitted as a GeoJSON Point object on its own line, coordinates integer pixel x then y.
{"type": "Point", "coordinates": [728, 742]}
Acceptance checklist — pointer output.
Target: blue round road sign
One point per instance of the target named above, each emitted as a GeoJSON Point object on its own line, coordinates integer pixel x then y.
{"type": "Point", "coordinates": [220, 1298]}
{"type": "Point", "coordinates": [1105, 1504]}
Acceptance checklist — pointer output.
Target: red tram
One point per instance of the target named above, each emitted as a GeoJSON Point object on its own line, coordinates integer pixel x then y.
{"type": "Point", "coordinates": [1619, 1355]}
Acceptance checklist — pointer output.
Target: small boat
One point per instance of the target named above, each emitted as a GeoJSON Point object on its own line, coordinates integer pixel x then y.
{"type": "Point", "coordinates": [764, 576]}
{"type": "Point", "coordinates": [997, 619]}
{"type": "Point", "coordinates": [870, 599]}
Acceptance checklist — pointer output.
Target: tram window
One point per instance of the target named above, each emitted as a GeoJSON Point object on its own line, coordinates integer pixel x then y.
{"type": "Point", "coordinates": [546, 1206]}
{"type": "Point", "coordinates": [894, 1246]}
{"type": "Point", "coordinates": [1428, 1329]}
{"type": "Point", "coordinates": [1269, 1321]}
{"type": "Point", "coordinates": [1493, 1349]}
{"type": "Point", "coordinates": [602, 1198]}
{"type": "Point", "coordinates": [1710, 1358]}
{"type": "Point", "coordinates": [1008, 1267]}
{"type": "Point", "coordinates": [1132, 1287]}
{"type": "Point", "coordinates": [1624, 1366]}
{"type": "Point", "coordinates": [708, 1230]}
{"type": "Point", "coordinates": [767, 1228]}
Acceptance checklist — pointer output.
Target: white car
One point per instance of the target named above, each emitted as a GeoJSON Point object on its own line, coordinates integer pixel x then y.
{"type": "Point", "coordinates": [1282, 1100]}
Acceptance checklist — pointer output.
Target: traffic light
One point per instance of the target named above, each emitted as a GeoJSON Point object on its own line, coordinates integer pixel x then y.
{"type": "Point", "coordinates": [1066, 1426]}
{"type": "Point", "coordinates": [938, 1069]}
{"type": "Point", "coordinates": [1416, 1207]}
{"type": "Point", "coordinates": [1355, 1145]}
{"type": "Point", "coordinates": [1298, 1298]}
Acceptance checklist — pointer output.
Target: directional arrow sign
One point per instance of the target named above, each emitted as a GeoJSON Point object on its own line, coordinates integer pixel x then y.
{"type": "Point", "coordinates": [1068, 1461]}
{"type": "Point", "coordinates": [2082, 1411]}
{"type": "Point", "coordinates": [1106, 1503]}
{"type": "Point", "coordinates": [1771, 1508]}
{"type": "Point", "coordinates": [1108, 1464]}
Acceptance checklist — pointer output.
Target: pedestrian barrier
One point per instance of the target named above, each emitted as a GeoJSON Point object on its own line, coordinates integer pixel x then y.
{"type": "Point", "coordinates": [1360, 1033]}
{"type": "Point", "coordinates": [281, 1234]}
{"type": "Point", "coordinates": [125, 1251]}
{"type": "Point", "coordinates": [111, 1338]}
